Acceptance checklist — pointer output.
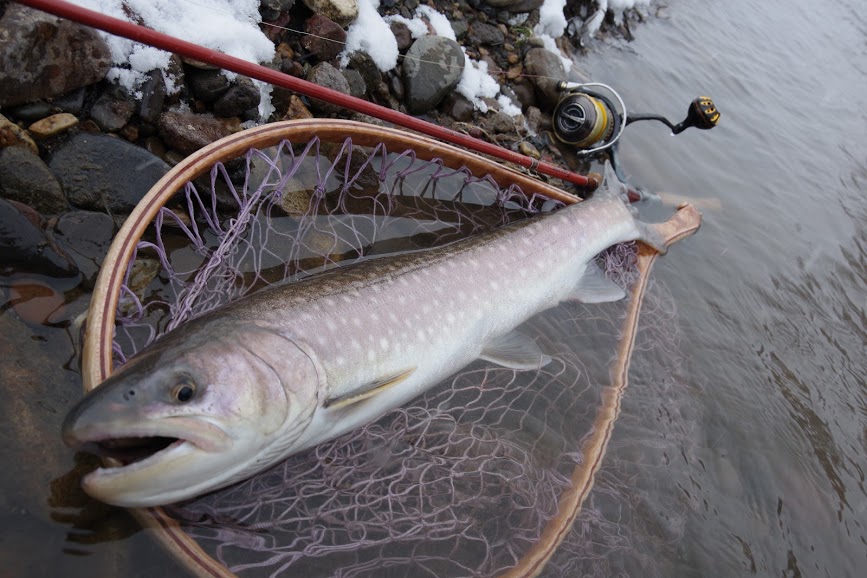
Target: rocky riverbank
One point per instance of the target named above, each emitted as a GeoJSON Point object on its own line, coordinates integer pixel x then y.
{"type": "Point", "coordinates": [68, 135]}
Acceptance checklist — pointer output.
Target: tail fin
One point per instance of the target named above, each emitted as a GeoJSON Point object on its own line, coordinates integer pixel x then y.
{"type": "Point", "coordinates": [683, 223]}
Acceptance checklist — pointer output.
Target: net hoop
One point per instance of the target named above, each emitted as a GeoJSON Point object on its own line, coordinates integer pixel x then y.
{"type": "Point", "coordinates": [97, 350]}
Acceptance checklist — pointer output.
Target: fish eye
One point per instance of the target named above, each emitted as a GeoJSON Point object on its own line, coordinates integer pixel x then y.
{"type": "Point", "coordinates": [183, 392]}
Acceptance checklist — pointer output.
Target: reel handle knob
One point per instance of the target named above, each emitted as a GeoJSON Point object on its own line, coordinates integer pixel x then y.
{"type": "Point", "coordinates": [702, 113]}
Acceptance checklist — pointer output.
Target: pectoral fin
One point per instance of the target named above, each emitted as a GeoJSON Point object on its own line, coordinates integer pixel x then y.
{"type": "Point", "coordinates": [515, 351]}
{"type": "Point", "coordinates": [367, 390]}
{"type": "Point", "coordinates": [595, 287]}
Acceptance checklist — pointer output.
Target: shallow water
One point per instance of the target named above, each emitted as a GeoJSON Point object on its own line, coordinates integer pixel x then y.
{"type": "Point", "coordinates": [749, 457]}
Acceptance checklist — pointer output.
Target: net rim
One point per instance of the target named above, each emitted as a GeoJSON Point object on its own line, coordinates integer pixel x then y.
{"type": "Point", "coordinates": [97, 349]}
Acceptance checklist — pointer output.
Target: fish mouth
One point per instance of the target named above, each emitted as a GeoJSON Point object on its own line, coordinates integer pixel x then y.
{"type": "Point", "coordinates": [129, 449]}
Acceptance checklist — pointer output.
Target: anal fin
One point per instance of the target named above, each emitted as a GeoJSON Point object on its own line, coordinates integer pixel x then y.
{"type": "Point", "coordinates": [367, 390]}
{"type": "Point", "coordinates": [515, 351]}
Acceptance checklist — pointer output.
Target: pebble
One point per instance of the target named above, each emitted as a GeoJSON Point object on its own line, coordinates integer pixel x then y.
{"type": "Point", "coordinates": [31, 112]}
{"type": "Point", "coordinates": [325, 38]}
{"type": "Point", "coordinates": [12, 135]}
{"type": "Point", "coordinates": [207, 85]}
{"type": "Point", "coordinates": [187, 132]}
{"type": "Point", "coordinates": [53, 125]}
{"type": "Point", "coordinates": [241, 97]}
{"type": "Point", "coordinates": [153, 97]}
{"type": "Point", "coordinates": [545, 68]}
{"type": "Point", "coordinates": [343, 12]}
{"type": "Point", "coordinates": [326, 75]}
{"type": "Point", "coordinates": [113, 109]}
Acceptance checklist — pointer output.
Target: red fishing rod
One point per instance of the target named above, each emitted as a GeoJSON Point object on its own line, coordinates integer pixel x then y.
{"type": "Point", "coordinates": [171, 44]}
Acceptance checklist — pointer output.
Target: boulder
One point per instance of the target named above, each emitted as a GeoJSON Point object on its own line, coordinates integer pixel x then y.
{"type": "Point", "coordinates": [43, 56]}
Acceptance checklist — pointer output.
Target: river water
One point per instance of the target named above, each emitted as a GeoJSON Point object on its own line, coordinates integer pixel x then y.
{"type": "Point", "coordinates": [763, 451]}
{"type": "Point", "coordinates": [772, 291]}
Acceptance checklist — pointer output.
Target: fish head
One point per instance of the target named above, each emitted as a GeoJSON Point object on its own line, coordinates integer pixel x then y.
{"type": "Point", "coordinates": [193, 413]}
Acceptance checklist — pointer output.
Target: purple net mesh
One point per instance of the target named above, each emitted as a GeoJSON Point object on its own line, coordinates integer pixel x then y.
{"type": "Point", "coordinates": [462, 481]}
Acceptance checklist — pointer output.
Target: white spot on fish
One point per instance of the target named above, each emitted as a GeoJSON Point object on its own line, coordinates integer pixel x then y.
{"type": "Point", "coordinates": [494, 285]}
{"type": "Point", "coordinates": [383, 343]}
{"type": "Point", "coordinates": [450, 318]}
{"type": "Point", "coordinates": [371, 355]}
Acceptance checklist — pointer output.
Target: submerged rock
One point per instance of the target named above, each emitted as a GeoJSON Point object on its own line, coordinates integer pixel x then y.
{"type": "Point", "coordinates": [104, 173]}
{"type": "Point", "coordinates": [43, 56]}
{"type": "Point", "coordinates": [24, 247]}
{"type": "Point", "coordinates": [433, 67]}
{"type": "Point", "coordinates": [25, 178]}
{"type": "Point", "coordinates": [86, 236]}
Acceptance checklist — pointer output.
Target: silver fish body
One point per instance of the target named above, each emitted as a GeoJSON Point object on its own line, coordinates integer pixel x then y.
{"type": "Point", "coordinates": [239, 389]}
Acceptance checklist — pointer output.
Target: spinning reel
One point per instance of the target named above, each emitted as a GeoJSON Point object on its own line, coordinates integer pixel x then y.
{"type": "Point", "coordinates": [587, 118]}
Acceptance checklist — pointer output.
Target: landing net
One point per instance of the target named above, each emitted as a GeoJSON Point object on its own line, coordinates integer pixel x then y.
{"type": "Point", "coordinates": [467, 480]}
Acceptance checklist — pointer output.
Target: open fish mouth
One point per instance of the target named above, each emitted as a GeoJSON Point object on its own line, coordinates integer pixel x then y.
{"type": "Point", "coordinates": [129, 450]}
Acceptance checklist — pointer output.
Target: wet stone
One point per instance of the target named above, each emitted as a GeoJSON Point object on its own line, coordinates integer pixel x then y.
{"type": "Point", "coordinates": [207, 85]}
{"type": "Point", "coordinates": [24, 177]}
{"type": "Point", "coordinates": [113, 109]}
{"type": "Point", "coordinates": [238, 99]}
{"type": "Point", "coordinates": [545, 68]}
{"type": "Point", "coordinates": [24, 248]}
{"type": "Point", "coordinates": [104, 173]}
{"type": "Point", "coordinates": [43, 56]}
{"type": "Point", "coordinates": [402, 35]}
{"type": "Point", "coordinates": [53, 125]}
{"type": "Point", "coordinates": [325, 38]}
{"type": "Point", "coordinates": [31, 112]}
{"type": "Point", "coordinates": [86, 236]}
{"type": "Point", "coordinates": [433, 69]}
{"type": "Point", "coordinates": [187, 132]}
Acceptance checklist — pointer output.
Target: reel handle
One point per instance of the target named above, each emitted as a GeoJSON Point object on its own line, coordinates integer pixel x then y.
{"type": "Point", "coordinates": [702, 113]}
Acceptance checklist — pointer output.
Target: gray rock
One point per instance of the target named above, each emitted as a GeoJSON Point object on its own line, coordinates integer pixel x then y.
{"type": "Point", "coordinates": [325, 38]}
{"type": "Point", "coordinates": [326, 75]}
{"type": "Point", "coordinates": [457, 106]}
{"type": "Point", "coordinates": [366, 67]}
{"type": "Point", "coordinates": [433, 68]}
{"type": "Point", "coordinates": [341, 11]}
{"type": "Point", "coordinates": [43, 56]}
{"type": "Point", "coordinates": [24, 247]}
{"type": "Point", "coordinates": [104, 173]}
{"type": "Point", "coordinates": [402, 35]}
{"type": "Point", "coordinates": [25, 178]}
{"type": "Point", "coordinates": [460, 28]}
{"type": "Point", "coordinates": [277, 5]}
{"type": "Point", "coordinates": [86, 237]}
{"type": "Point", "coordinates": [544, 68]}
{"type": "Point", "coordinates": [71, 102]}
{"type": "Point", "coordinates": [153, 97]}
{"type": "Point", "coordinates": [207, 85]}
{"type": "Point", "coordinates": [357, 87]}
{"type": "Point", "coordinates": [240, 98]}
{"type": "Point", "coordinates": [487, 34]}
{"type": "Point", "coordinates": [113, 109]}
{"type": "Point", "coordinates": [187, 132]}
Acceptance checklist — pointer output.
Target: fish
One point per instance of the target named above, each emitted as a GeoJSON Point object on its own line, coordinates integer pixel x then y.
{"type": "Point", "coordinates": [239, 389]}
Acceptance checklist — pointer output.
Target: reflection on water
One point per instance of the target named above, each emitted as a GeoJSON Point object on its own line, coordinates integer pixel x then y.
{"type": "Point", "coordinates": [749, 457]}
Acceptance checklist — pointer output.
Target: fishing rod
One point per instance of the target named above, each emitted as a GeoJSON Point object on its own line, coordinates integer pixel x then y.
{"type": "Point", "coordinates": [197, 52]}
